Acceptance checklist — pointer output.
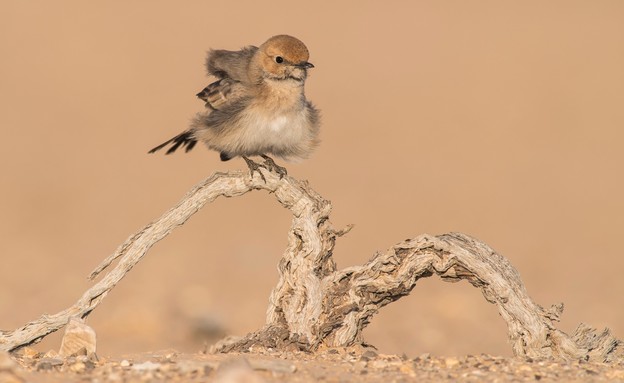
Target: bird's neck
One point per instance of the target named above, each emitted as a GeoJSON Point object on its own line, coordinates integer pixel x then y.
{"type": "Point", "coordinates": [287, 93]}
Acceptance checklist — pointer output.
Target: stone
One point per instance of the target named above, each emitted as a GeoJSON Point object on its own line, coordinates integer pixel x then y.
{"type": "Point", "coordinates": [147, 366]}
{"type": "Point", "coordinates": [78, 336]}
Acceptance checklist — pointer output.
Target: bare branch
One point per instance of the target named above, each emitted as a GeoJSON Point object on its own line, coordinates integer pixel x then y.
{"type": "Point", "coordinates": [314, 304]}
{"type": "Point", "coordinates": [135, 247]}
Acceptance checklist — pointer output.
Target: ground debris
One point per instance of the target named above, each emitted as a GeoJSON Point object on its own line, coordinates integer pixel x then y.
{"type": "Point", "coordinates": [331, 365]}
{"type": "Point", "coordinates": [47, 363]}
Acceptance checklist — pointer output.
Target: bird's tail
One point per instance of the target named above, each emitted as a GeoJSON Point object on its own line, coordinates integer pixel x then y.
{"type": "Point", "coordinates": [184, 139]}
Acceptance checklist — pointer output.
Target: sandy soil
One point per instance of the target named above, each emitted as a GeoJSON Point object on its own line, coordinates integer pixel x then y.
{"type": "Point", "coordinates": [503, 121]}
{"type": "Point", "coordinates": [334, 365]}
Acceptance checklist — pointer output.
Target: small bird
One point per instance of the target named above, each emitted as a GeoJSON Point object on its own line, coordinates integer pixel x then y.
{"type": "Point", "coordinates": [257, 106]}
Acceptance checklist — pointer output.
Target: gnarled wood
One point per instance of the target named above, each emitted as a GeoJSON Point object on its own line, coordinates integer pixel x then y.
{"type": "Point", "coordinates": [314, 304]}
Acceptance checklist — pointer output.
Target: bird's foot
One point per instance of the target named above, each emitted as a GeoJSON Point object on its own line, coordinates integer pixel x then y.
{"type": "Point", "coordinates": [254, 167]}
{"type": "Point", "coordinates": [273, 167]}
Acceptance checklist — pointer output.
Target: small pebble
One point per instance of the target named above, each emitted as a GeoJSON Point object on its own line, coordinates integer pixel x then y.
{"type": "Point", "coordinates": [451, 362]}
{"type": "Point", "coordinates": [52, 354]}
{"type": "Point", "coordinates": [368, 355]}
{"type": "Point", "coordinates": [48, 363]}
{"type": "Point", "coordinates": [146, 366]}
{"type": "Point", "coordinates": [78, 367]}
{"type": "Point", "coordinates": [29, 352]}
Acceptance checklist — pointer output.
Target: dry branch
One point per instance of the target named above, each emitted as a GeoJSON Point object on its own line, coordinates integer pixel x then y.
{"type": "Point", "coordinates": [314, 304]}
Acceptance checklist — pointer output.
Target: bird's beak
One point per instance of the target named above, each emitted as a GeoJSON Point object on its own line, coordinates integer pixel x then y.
{"type": "Point", "coordinates": [305, 65]}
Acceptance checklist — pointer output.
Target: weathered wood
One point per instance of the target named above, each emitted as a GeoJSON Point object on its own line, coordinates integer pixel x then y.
{"type": "Point", "coordinates": [131, 252]}
{"type": "Point", "coordinates": [314, 304]}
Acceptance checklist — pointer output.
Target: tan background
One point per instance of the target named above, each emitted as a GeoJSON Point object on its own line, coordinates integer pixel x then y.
{"type": "Point", "coordinates": [502, 120]}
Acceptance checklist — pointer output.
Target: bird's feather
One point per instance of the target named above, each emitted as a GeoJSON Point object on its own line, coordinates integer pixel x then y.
{"type": "Point", "coordinates": [230, 64]}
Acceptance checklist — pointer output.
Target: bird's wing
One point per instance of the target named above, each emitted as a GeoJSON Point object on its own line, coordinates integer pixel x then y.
{"type": "Point", "coordinates": [231, 69]}
{"type": "Point", "coordinates": [226, 97]}
{"type": "Point", "coordinates": [222, 93]}
{"type": "Point", "coordinates": [230, 64]}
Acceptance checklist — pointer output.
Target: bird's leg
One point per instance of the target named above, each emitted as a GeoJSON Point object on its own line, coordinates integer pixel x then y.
{"type": "Point", "coordinates": [272, 166]}
{"type": "Point", "coordinates": [254, 167]}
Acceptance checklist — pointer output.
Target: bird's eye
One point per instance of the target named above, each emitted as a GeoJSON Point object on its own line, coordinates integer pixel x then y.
{"type": "Point", "coordinates": [279, 59]}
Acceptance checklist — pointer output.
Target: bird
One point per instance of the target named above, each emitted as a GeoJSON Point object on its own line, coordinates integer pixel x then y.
{"type": "Point", "coordinates": [256, 107]}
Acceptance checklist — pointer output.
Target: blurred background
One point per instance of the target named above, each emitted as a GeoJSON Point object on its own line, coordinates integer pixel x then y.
{"type": "Point", "coordinates": [500, 120]}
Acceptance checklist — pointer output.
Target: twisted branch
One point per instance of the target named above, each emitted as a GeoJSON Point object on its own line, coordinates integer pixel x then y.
{"type": "Point", "coordinates": [314, 304]}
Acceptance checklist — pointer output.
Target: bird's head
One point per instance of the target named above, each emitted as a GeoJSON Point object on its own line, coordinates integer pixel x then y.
{"type": "Point", "coordinates": [284, 57]}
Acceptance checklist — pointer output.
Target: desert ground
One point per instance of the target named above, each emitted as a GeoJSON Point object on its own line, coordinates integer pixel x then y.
{"type": "Point", "coordinates": [499, 120]}
{"type": "Point", "coordinates": [335, 365]}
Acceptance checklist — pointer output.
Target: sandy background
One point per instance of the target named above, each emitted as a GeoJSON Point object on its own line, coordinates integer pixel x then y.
{"type": "Point", "coordinates": [504, 121]}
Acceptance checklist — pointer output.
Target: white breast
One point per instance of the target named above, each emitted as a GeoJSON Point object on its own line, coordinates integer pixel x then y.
{"type": "Point", "coordinates": [282, 132]}
{"type": "Point", "coordinates": [277, 124]}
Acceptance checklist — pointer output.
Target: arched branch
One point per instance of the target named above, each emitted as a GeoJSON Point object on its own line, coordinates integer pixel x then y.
{"type": "Point", "coordinates": [455, 256]}
{"type": "Point", "coordinates": [314, 304]}
{"type": "Point", "coordinates": [134, 248]}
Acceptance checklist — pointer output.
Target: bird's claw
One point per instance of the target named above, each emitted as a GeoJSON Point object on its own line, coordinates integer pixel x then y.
{"type": "Point", "coordinates": [254, 167]}
{"type": "Point", "coordinates": [270, 165]}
